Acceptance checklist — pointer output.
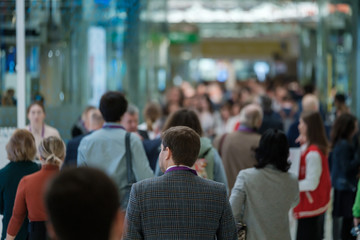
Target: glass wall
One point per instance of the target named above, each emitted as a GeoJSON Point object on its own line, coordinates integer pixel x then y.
{"type": "Point", "coordinates": [78, 49]}
{"type": "Point", "coordinates": [336, 40]}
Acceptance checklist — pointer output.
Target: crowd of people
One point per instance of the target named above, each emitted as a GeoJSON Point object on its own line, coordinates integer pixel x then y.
{"type": "Point", "coordinates": [204, 162]}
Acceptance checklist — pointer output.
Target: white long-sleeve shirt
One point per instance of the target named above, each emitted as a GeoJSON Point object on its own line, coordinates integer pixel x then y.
{"type": "Point", "coordinates": [313, 171]}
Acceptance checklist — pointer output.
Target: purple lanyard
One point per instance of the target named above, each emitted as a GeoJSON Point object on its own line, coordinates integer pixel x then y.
{"type": "Point", "coordinates": [42, 130]}
{"type": "Point", "coordinates": [245, 129]}
{"type": "Point", "coordinates": [113, 126]}
{"type": "Point", "coordinates": [181, 168]}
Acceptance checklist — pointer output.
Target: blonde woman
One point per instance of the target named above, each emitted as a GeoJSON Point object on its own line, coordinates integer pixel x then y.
{"type": "Point", "coordinates": [30, 192]}
{"type": "Point", "coordinates": [21, 151]}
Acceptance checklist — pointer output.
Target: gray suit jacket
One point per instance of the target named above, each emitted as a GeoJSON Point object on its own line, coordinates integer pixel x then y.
{"type": "Point", "coordinates": [179, 205]}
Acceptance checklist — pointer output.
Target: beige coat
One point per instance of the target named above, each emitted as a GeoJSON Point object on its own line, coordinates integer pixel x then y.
{"type": "Point", "coordinates": [237, 153]}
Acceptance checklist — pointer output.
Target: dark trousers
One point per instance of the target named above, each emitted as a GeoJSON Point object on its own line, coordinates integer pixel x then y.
{"type": "Point", "coordinates": [347, 224]}
{"type": "Point", "coordinates": [37, 231]}
{"type": "Point", "coordinates": [311, 228]}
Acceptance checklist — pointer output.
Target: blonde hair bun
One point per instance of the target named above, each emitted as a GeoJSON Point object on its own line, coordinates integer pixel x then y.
{"type": "Point", "coordinates": [52, 150]}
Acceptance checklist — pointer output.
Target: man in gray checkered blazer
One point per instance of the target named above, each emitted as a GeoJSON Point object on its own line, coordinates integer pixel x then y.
{"type": "Point", "coordinates": [179, 204]}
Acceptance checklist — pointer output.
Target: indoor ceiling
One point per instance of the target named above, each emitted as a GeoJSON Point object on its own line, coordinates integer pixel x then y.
{"type": "Point", "coordinates": [236, 18]}
{"type": "Point", "coordinates": [216, 11]}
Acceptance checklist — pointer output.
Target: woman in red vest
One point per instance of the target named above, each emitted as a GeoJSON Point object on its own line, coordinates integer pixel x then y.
{"type": "Point", "coordinates": [314, 178]}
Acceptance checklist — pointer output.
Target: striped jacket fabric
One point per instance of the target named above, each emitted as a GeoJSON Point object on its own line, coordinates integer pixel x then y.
{"type": "Point", "coordinates": [179, 205]}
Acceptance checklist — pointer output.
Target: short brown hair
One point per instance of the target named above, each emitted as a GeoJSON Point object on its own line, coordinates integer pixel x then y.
{"type": "Point", "coordinates": [315, 131]}
{"type": "Point", "coordinates": [184, 144]}
{"type": "Point", "coordinates": [69, 197]}
{"type": "Point", "coordinates": [21, 146]}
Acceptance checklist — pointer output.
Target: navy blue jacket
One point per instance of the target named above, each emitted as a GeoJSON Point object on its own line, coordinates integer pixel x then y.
{"type": "Point", "coordinates": [152, 150]}
{"type": "Point", "coordinates": [72, 150]}
{"type": "Point", "coordinates": [344, 166]}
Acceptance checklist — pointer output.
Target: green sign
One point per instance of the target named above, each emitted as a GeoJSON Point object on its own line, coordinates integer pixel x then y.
{"type": "Point", "coordinates": [181, 37]}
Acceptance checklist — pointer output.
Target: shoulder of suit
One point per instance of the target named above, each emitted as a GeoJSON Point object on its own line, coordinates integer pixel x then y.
{"type": "Point", "coordinates": [210, 183]}
{"type": "Point", "coordinates": [237, 133]}
{"type": "Point", "coordinates": [201, 182]}
{"type": "Point", "coordinates": [146, 182]}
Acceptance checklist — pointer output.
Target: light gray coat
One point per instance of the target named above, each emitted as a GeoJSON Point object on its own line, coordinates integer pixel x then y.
{"type": "Point", "coordinates": [262, 198]}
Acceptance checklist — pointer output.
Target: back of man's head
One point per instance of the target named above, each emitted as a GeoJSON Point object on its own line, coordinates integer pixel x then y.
{"type": "Point", "coordinates": [340, 98]}
{"type": "Point", "coordinates": [96, 120]}
{"type": "Point", "coordinates": [266, 103]}
{"type": "Point", "coordinates": [184, 144]}
{"type": "Point", "coordinates": [113, 105]}
{"type": "Point", "coordinates": [310, 103]}
{"type": "Point", "coordinates": [83, 203]}
{"type": "Point", "coordinates": [251, 116]}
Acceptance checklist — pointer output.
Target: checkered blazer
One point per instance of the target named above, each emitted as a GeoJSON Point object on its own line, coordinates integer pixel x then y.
{"type": "Point", "coordinates": [179, 205]}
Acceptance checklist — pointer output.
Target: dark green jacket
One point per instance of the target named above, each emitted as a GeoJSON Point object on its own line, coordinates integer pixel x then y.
{"type": "Point", "coordinates": [10, 177]}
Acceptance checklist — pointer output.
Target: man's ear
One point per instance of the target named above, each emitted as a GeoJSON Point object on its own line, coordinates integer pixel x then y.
{"type": "Point", "coordinates": [169, 154]}
{"type": "Point", "coordinates": [51, 231]}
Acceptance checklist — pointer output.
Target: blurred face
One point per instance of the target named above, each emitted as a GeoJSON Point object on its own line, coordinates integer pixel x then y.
{"type": "Point", "coordinates": [225, 113]}
{"type": "Point", "coordinates": [173, 107]}
{"type": "Point", "coordinates": [130, 122]}
{"type": "Point", "coordinates": [173, 95]}
{"type": "Point", "coordinates": [36, 115]}
{"type": "Point", "coordinates": [302, 128]}
{"type": "Point", "coordinates": [203, 104]}
{"type": "Point", "coordinates": [86, 119]}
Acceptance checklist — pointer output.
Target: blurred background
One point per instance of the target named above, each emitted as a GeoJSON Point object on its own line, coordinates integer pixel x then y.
{"type": "Point", "coordinates": [78, 49]}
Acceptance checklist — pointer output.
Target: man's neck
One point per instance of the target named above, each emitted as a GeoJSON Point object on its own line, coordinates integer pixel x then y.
{"type": "Point", "coordinates": [177, 166]}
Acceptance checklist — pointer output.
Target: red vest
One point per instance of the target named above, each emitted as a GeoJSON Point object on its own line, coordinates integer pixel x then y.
{"type": "Point", "coordinates": [314, 203]}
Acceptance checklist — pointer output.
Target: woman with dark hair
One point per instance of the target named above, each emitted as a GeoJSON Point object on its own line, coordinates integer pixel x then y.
{"type": "Point", "coordinates": [209, 164]}
{"type": "Point", "coordinates": [314, 178]}
{"type": "Point", "coordinates": [262, 196]}
{"type": "Point", "coordinates": [344, 168]}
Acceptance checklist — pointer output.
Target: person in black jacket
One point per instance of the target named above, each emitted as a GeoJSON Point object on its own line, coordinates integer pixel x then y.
{"type": "Point", "coordinates": [21, 151]}
{"type": "Point", "coordinates": [344, 168]}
